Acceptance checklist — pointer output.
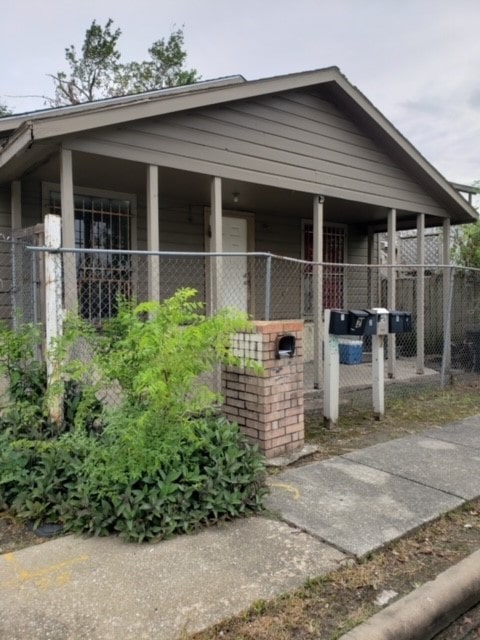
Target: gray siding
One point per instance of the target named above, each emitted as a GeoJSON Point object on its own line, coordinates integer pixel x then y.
{"type": "Point", "coordinates": [295, 140]}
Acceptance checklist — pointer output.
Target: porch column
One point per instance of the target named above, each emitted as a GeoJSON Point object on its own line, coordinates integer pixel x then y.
{"type": "Point", "coordinates": [447, 346]}
{"type": "Point", "coordinates": [317, 288]}
{"type": "Point", "coordinates": [216, 243]}
{"type": "Point", "coordinates": [372, 273]}
{"type": "Point", "coordinates": [153, 240]}
{"type": "Point", "coordinates": [392, 260]}
{"type": "Point", "coordinates": [68, 230]}
{"type": "Point", "coordinates": [421, 294]}
{"type": "Point", "coordinates": [16, 205]}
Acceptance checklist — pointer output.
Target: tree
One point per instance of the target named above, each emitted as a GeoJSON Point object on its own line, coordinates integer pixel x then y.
{"type": "Point", "coordinates": [466, 248]}
{"type": "Point", "coordinates": [4, 110]}
{"type": "Point", "coordinates": [97, 72]}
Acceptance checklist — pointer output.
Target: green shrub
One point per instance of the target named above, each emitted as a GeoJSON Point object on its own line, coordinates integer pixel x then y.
{"type": "Point", "coordinates": [212, 475]}
{"type": "Point", "coordinates": [163, 463]}
{"type": "Point", "coordinates": [27, 412]}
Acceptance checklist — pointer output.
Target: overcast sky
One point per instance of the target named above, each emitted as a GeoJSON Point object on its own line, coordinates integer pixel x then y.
{"type": "Point", "coordinates": [418, 61]}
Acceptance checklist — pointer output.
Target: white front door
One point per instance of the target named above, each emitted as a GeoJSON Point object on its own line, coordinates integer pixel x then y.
{"type": "Point", "coordinates": [235, 268]}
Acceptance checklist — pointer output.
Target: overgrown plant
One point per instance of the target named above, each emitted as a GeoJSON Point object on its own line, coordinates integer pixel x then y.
{"type": "Point", "coordinates": [163, 461]}
{"type": "Point", "coordinates": [27, 397]}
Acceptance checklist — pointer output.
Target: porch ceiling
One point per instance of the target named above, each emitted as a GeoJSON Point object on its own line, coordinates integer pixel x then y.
{"type": "Point", "coordinates": [195, 189]}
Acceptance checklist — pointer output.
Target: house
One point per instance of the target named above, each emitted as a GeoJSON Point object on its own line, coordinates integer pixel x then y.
{"type": "Point", "coordinates": [301, 165]}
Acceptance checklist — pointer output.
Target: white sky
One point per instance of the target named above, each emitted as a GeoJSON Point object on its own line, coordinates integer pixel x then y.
{"type": "Point", "coordinates": [418, 61]}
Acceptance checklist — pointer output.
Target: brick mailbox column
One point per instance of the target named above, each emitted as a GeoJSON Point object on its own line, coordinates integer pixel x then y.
{"type": "Point", "coordinates": [268, 406]}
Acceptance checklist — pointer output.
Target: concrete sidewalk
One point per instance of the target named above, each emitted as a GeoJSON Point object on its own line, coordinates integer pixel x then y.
{"type": "Point", "coordinates": [75, 588]}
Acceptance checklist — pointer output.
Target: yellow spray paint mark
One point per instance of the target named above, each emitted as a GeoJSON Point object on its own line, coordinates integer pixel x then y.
{"type": "Point", "coordinates": [287, 487]}
{"type": "Point", "coordinates": [54, 575]}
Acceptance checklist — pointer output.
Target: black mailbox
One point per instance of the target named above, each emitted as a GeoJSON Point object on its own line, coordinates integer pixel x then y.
{"type": "Point", "coordinates": [371, 323]}
{"type": "Point", "coordinates": [357, 320]}
{"type": "Point", "coordinates": [285, 346]}
{"type": "Point", "coordinates": [400, 322]}
{"type": "Point", "coordinates": [338, 322]}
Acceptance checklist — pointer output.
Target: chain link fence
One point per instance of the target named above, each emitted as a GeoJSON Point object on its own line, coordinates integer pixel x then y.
{"type": "Point", "coordinates": [272, 287]}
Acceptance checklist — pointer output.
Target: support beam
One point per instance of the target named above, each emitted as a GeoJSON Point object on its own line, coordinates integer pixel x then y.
{"type": "Point", "coordinates": [392, 274]}
{"type": "Point", "coordinates": [153, 237]}
{"type": "Point", "coordinates": [16, 205]}
{"type": "Point", "coordinates": [216, 243]}
{"type": "Point", "coordinates": [317, 288]}
{"type": "Point", "coordinates": [372, 273]}
{"type": "Point", "coordinates": [68, 230]}
{"type": "Point", "coordinates": [447, 347]}
{"type": "Point", "coordinates": [420, 302]}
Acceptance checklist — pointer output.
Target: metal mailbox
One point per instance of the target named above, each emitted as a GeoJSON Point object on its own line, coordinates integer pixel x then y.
{"type": "Point", "coordinates": [338, 322]}
{"type": "Point", "coordinates": [357, 321]}
{"type": "Point", "coordinates": [371, 323]}
{"type": "Point", "coordinates": [285, 346]}
{"type": "Point", "coordinates": [382, 321]}
{"type": "Point", "coordinates": [400, 322]}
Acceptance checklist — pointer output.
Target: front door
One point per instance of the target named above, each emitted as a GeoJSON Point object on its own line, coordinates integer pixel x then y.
{"type": "Point", "coordinates": [235, 268]}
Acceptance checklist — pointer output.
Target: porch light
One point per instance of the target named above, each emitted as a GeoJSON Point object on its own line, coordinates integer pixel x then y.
{"type": "Point", "coordinates": [236, 196]}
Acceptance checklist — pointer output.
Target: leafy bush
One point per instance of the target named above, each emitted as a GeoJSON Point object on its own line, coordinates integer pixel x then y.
{"type": "Point", "coordinates": [163, 463]}
{"type": "Point", "coordinates": [27, 411]}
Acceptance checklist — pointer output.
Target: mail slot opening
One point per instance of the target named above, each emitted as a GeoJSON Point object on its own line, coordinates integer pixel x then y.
{"type": "Point", "coordinates": [285, 346]}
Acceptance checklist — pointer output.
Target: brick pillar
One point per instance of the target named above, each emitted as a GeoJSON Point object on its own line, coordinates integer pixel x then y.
{"type": "Point", "coordinates": [267, 406]}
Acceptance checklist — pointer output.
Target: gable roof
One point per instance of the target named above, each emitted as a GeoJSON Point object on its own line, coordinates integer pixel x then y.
{"type": "Point", "coordinates": [22, 132]}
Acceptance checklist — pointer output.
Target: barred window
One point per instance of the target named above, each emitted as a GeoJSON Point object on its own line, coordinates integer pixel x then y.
{"type": "Point", "coordinates": [100, 223]}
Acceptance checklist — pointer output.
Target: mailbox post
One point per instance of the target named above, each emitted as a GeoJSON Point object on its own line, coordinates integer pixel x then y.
{"type": "Point", "coordinates": [336, 324]}
{"type": "Point", "coordinates": [378, 360]}
{"type": "Point", "coordinates": [377, 323]}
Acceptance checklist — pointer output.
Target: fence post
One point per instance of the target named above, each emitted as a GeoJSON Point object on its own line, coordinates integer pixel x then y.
{"type": "Point", "coordinates": [392, 274]}
{"type": "Point", "coordinates": [53, 309]}
{"type": "Point", "coordinates": [14, 284]}
{"type": "Point", "coordinates": [420, 301]}
{"type": "Point", "coordinates": [268, 287]}
{"type": "Point", "coordinates": [447, 329]}
{"type": "Point", "coordinates": [318, 202]}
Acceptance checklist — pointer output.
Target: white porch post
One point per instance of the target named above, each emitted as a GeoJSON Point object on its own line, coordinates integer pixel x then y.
{"type": "Point", "coordinates": [447, 347]}
{"type": "Point", "coordinates": [216, 243]}
{"type": "Point", "coordinates": [68, 229]}
{"type": "Point", "coordinates": [392, 259]}
{"type": "Point", "coordinates": [53, 310]}
{"type": "Point", "coordinates": [421, 294]}
{"type": "Point", "coordinates": [153, 238]}
{"type": "Point", "coordinates": [317, 288]}
{"type": "Point", "coordinates": [372, 273]}
{"type": "Point", "coordinates": [16, 205]}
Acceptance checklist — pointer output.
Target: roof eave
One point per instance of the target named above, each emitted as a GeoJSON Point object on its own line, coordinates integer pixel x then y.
{"type": "Point", "coordinates": [21, 140]}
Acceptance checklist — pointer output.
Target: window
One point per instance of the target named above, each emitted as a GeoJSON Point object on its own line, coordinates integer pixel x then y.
{"type": "Point", "coordinates": [333, 277]}
{"type": "Point", "coordinates": [100, 223]}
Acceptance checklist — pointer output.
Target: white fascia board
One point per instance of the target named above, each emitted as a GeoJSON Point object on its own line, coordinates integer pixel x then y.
{"type": "Point", "coordinates": [21, 139]}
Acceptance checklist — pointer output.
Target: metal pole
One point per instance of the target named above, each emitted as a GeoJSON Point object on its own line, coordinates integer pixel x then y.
{"type": "Point", "coordinates": [14, 286]}
{"type": "Point", "coordinates": [392, 274]}
{"type": "Point", "coordinates": [447, 346]}
{"type": "Point", "coordinates": [447, 331]}
{"type": "Point", "coordinates": [268, 287]}
{"type": "Point", "coordinates": [33, 258]}
{"type": "Point", "coordinates": [317, 288]}
{"type": "Point", "coordinates": [420, 294]}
